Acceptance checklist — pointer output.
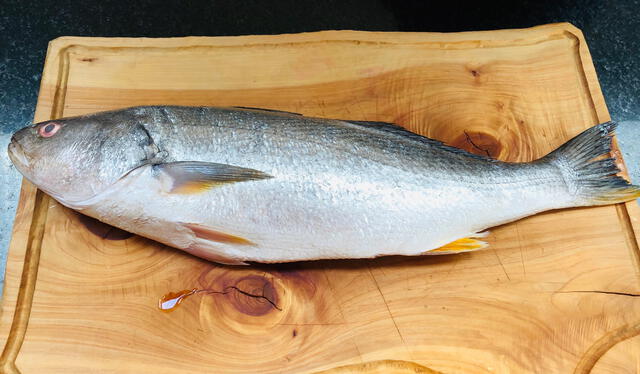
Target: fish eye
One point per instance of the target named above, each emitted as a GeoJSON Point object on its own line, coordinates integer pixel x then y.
{"type": "Point", "coordinates": [49, 129]}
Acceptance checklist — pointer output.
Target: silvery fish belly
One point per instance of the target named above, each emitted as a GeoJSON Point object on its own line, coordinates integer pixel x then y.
{"type": "Point", "coordinates": [238, 184]}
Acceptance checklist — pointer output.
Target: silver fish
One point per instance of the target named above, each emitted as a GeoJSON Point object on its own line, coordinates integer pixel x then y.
{"type": "Point", "coordinates": [238, 184]}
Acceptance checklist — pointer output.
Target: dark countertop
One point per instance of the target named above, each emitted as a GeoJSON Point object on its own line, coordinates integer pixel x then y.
{"type": "Point", "coordinates": [610, 28]}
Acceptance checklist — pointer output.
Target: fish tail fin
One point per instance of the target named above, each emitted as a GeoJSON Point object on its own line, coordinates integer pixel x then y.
{"type": "Point", "coordinates": [588, 169]}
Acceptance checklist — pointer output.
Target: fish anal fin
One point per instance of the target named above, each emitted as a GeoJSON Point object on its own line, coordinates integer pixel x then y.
{"type": "Point", "coordinates": [459, 246]}
{"type": "Point", "coordinates": [189, 177]}
{"type": "Point", "coordinates": [481, 234]}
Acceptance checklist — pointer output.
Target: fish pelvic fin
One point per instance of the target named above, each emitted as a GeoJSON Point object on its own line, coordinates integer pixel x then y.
{"type": "Point", "coordinates": [589, 171]}
{"type": "Point", "coordinates": [208, 233]}
{"type": "Point", "coordinates": [191, 177]}
{"type": "Point", "coordinates": [459, 246]}
{"type": "Point", "coordinates": [206, 250]}
{"type": "Point", "coordinates": [210, 244]}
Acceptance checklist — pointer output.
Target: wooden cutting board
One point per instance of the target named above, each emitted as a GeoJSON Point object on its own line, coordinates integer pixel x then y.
{"type": "Point", "coordinates": [554, 293]}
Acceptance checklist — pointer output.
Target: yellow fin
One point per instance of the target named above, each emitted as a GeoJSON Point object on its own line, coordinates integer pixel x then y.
{"type": "Point", "coordinates": [191, 177]}
{"type": "Point", "coordinates": [616, 195]}
{"type": "Point", "coordinates": [459, 246]}
{"type": "Point", "coordinates": [204, 232]}
{"type": "Point", "coordinates": [194, 187]}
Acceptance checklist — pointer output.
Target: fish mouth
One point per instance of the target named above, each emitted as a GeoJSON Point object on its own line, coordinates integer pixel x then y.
{"type": "Point", "coordinates": [17, 155]}
{"type": "Point", "coordinates": [21, 162]}
{"type": "Point", "coordinates": [19, 158]}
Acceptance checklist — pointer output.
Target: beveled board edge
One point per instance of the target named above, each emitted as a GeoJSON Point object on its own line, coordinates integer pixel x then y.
{"type": "Point", "coordinates": [28, 231]}
{"type": "Point", "coordinates": [33, 205]}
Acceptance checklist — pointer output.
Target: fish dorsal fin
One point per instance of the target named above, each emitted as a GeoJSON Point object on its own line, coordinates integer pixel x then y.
{"type": "Point", "coordinates": [403, 133]}
{"type": "Point", "coordinates": [188, 177]}
{"type": "Point", "coordinates": [266, 110]}
{"type": "Point", "coordinates": [395, 129]}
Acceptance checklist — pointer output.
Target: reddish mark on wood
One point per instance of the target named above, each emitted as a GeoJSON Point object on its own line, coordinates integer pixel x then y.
{"type": "Point", "coordinates": [88, 59]}
{"type": "Point", "coordinates": [171, 300]}
{"type": "Point", "coordinates": [252, 295]}
{"type": "Point", "coordinates": [476, 71]}
{"type": "Point", "coordinates": [256, 297]}
{"type": "Point", "coordinates": [478, 143]}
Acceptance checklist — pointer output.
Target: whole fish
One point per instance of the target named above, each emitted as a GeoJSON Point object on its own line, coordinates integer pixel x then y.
{"type": "Point", "coordinates": [238, 184]}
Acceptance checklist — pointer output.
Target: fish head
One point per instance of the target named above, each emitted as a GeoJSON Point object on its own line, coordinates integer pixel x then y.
{"type": "Point", "coordinates": [77, 158]}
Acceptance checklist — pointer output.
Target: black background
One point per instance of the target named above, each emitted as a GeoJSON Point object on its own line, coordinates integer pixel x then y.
{"type": "Point", "coordinates": [610, 27]}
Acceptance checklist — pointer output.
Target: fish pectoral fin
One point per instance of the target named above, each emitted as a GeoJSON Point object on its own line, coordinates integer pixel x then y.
{"type": "Point", "coordinates": [189, 177]}
{"type": "Point", "coordinates": [459, 246]}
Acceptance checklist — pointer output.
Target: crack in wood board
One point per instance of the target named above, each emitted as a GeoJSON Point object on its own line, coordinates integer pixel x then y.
{"type": "Point", "coordinates": [384, 300]}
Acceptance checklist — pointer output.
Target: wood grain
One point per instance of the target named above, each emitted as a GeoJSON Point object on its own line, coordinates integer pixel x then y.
{"type": "Point", "coordinates": [381, 367]}
{"type": "Point", "coordinates": [554, 293]}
